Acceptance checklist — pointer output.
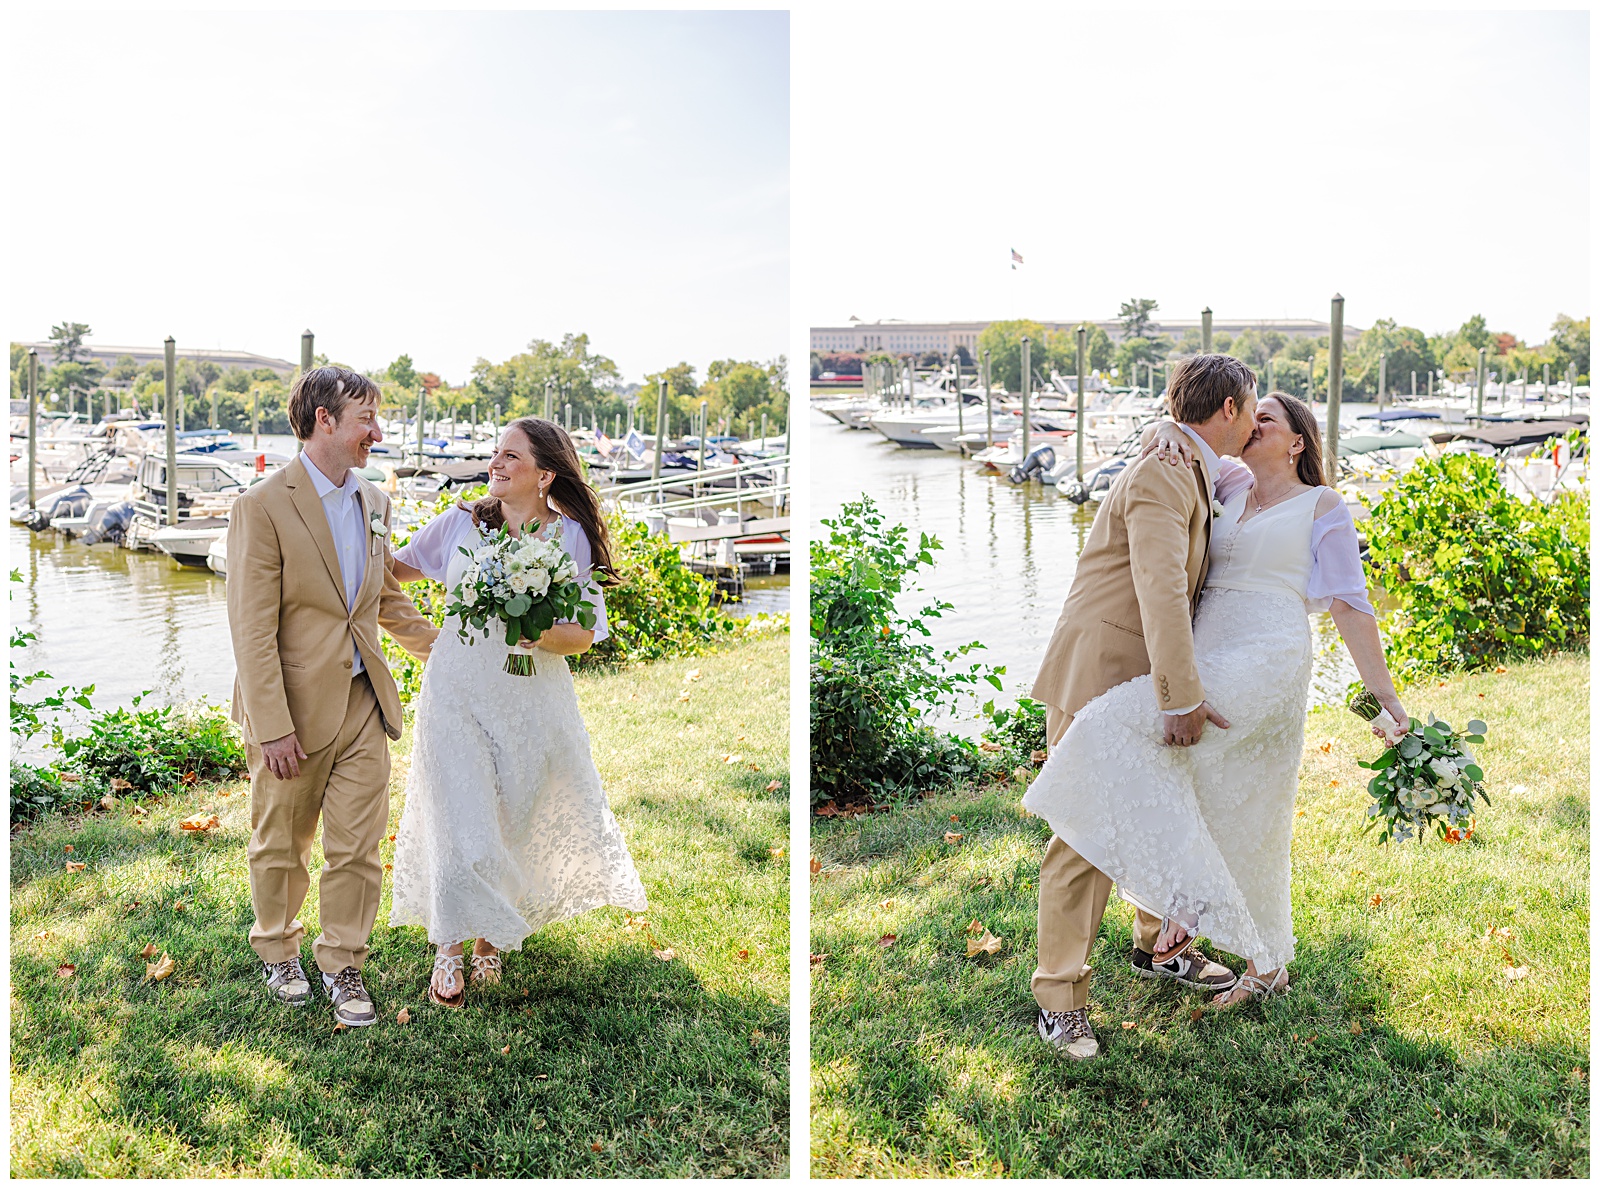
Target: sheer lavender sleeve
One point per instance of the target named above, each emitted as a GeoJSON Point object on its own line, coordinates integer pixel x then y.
{"type": "Point", "coordinates": [1336, 571]}
{"type": "Point", "coordinates": [1232, 478]}
{"type": "Point", "coordinates": [433, 545]}
{"type": "Point", "coordinates": [576, 542]}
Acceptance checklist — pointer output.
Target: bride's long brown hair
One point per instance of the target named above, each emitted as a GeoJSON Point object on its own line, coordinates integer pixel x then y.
{"type": "Point", "coordinates": [569, 492]}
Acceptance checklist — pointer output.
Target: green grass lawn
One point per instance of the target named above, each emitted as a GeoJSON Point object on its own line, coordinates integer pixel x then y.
{"type": "Point", "coordinates": [593, 1058]}
{"type": "Point", "coordinates": [1403, 1049]}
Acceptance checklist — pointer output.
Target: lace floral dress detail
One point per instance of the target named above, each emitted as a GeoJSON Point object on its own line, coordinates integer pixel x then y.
{"type": "Point", "coordinates": [1202, 833]}
{"type": "Point", "coordinates": [506, 826]}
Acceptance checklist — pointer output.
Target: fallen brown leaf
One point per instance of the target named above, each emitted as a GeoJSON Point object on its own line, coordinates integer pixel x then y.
{"type": "Point", "coordinates": [775, 851]}
{"type": "Point", "coordinates": [69, 848]}
{"type": "Point", "coordinates": [42, 934]}
{"type": "Point", "coordinates": [974, 927]}
{"type": "Point", "coordinates": [1499, 668]}
{"type": "Point", "coordinates": [148, 952]}
{"type": "Point", "coordinates": [1375, 901]}
{"type": "Point", "coordinates": [887, 940]}
{"type": "Point", "coordinates": [391, 838]}
{"type": "Point", "coordinates": [744, 955]}
{"type": "Point", "coordinates": [118, 785]}
{"type": "Point", "coordinates": [201, 822]}
{"type": "Point", "coordinates": [955, 819]}
{"type": "Point", "coordinates": [818, 960]}
{"type": "Point", "coordinates": [66, 970]}
{"type": "Point", "coordinates": [108, 802]}
{"type": "Point", "coordinates": [506, 1051]}
{"type": "Point", "coordinates": [1513, 973]}
{"type": "Point", "coordinates": [594, 1147]}
{"type": "Point", "coordinates": [161, 969]}
{"type": "Point", "coordinates": [1196, 1015]}
{"type": "Point", "coordinates": [1039, 757]}
{"type": "Point", "coordinates": [692, 675]}
{"type": "Point", "coordinates": [1128, 1025]}
{"type": "Point", "coordinates": [774, 786]}
{"type": "Point", "coordinates": [340, 1026]}
{"type": "Point", "coordinates": [1326, 746]}
{"type": "Point", "coordinates": [985, 745]}
{"type": "Point", "coordinates": [191, 778]}
{"type": "Point", "coordinates": [885, 903]}
{"type": "Point", "coordinates": [403, 1016]}
{"type": "Point", "coordinates": [1408, 1162]}
{"type": "Point", "coordinates": [753, 767]}
{"type": "Point", "coordinates": [71, 866]}
{"type": "Point", "coordinates": [987, 944]}
{"type": "Point", "coordinates": [683, 695]}
{"type": "Point", "coordinates": [733, 758]}
{"type": "Point", "coordinates": [951, 837]}
{"type": "Point", "coordinates": [816, 866]}
{"type": "Point", "coordinates": [665, 955]}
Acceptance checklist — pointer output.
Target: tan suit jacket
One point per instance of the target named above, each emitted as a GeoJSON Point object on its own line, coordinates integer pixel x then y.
{"type": "Point", "coordinates": [1132, 603]}
{"type": "Point", "coordinates": [287, 615]}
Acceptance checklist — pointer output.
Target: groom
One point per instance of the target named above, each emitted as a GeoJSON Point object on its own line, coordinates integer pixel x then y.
{"type": "Point", "coordinates": [1130, 612]}
{"type": "Point", "coordinates": [309, 583]}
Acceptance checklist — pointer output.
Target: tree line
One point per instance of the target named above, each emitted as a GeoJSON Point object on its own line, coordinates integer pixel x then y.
{"type": "Point", "coordinates": [1296, 362]}
{"type": "Point", "coordinates": [736, 392]}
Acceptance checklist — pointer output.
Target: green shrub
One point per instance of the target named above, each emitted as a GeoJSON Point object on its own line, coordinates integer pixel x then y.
{"type": "Point", "coordinates": [1021, 731]}
{"type": "Point", "coordinates": [1479, 576]}
{"type": "Point", "coordinates": [156, 749]}
{"type": "Point", "coordinates": [871, 681]}
{"type": "Point", "coordinates": [42, 790]}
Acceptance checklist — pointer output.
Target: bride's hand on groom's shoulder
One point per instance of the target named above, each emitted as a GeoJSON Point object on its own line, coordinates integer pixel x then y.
{"type": "Point", "coordinates": [1168, 443]}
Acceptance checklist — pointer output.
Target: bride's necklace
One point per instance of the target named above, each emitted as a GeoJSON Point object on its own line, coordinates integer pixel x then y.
{"type": "Point", "coordinates": [1277, 499]}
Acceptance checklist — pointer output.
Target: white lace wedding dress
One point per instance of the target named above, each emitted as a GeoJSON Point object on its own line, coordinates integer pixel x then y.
{"type": "Point", "coordinates": [506, 826]}
{"type": "Point", "coordinates": [1201, 834]}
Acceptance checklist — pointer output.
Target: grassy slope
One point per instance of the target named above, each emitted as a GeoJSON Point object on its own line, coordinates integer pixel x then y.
{"type": "Point", "coordinates": [672, 1068]}
{"type": "Point", "coordinates": [925, 1063]}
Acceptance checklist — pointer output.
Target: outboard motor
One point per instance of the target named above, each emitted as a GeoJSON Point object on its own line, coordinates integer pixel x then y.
{"type": "Point", "coordinates": [109, 524]}
{"type": "Point", "coordinates": [74, 501]}
{"type": "Point", "coordinates": [1033, 466]}
{"type": "Point", "coordinates": [1075, 491]}
{"type": "Point", "coordinates": [1107, 475]}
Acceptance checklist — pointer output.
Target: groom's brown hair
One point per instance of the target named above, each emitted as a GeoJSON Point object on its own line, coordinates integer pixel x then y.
{"type": "Point", "coordinates": [1202, 384]}
{"type": "Point", "coordinates": [328, 387]}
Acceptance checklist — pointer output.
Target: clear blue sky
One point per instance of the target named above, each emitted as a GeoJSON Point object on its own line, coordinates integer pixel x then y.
{"type": "Point", "coordinates": [447, 185]}
{"type": "Point", "coordinates": [1429, 165]}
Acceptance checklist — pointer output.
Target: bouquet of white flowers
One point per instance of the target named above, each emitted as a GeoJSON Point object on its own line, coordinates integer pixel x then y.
{"type": "Point", "coordinates": [1428, 777]}
{"type": "Point", "coordinates": [526, 583]}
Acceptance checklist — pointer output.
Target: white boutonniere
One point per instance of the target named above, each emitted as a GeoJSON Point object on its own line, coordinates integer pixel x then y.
{"type": "Point", "coordinates": [1216, 507]}
{"type": "Point", "coordinates": [379, 528]}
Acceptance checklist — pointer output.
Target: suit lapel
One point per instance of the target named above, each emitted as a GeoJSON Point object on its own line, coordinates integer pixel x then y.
{"type": "Point", "coordinates": [304, 494]}
{"type": "Point", "coordinates": [375, 557]}
{"type": "Point", "coordinates": [1203, 478]}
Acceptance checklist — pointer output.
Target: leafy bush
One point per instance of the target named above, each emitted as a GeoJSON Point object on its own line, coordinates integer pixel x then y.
{"type": "Point", "coordinates": [1021, 731]}
{"type": "Point", "coordinates": [871, 681]}
{"type": "Point", "coordinates": [153, 750]}
{"type": "Point", "coordinates": [661, 609]}
{"type": "Point", "coordinates": [1479, 576]}
{"type": "Point", "coordinates": [42, 790]}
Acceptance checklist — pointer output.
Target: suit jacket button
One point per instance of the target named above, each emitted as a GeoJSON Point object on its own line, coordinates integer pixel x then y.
{"type": "Point", "coordinates": [349, 664]}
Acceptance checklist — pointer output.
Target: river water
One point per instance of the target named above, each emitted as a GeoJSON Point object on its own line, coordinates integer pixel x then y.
{"type": "Point", "coordinates": [127, 622]}
{"type": "Point", "coordinates": [1008, 558]}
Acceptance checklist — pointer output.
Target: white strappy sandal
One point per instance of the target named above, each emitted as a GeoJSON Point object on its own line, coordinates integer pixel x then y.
{"type": "Point", "coordinates": [447, 964]}
{"type": "Point", "coordinates": [486, 969]}
{"type": "Point", "coordinates": [1258, 988]}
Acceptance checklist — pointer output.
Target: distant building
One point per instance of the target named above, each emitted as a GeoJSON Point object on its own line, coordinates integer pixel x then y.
{"type": "Point", "coordinates": [143, 355]}
{"type": "Point", "coordinates": [898, 337]}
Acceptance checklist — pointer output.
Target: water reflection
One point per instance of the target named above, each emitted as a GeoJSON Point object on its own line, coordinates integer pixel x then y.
{"type": "Point", "coordinates": [1009, 553]}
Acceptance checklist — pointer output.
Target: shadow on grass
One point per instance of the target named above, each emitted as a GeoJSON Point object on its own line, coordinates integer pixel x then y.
{"type": "Point", "coordinates": [592, 1057]}
{"type": "Point", "coordinates": [1308, 1085]}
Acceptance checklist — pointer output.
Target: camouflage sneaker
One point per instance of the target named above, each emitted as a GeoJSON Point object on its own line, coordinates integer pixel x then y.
{"type": "Point", "coordinates": [1069, 1032]}
{"type": "Point", "coordinates": [287, 981]}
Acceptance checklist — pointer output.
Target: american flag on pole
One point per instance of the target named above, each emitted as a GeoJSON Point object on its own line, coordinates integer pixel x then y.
{"type": "Point", "coordinates": [1016, 258]}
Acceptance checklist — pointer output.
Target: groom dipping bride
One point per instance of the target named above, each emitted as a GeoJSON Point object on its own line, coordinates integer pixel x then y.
{"type": "Point", "coordinates": [1176, 722]}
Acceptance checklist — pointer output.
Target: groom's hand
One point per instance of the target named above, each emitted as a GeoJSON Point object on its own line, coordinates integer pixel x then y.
{"type": "Point", "coordinates": [284, 756]}
{"type": "Point", "coordinates": [1183, 730]}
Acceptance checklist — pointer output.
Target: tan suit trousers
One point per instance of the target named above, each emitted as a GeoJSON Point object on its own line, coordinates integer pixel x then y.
{"type": "Point", "coordinates": [347, 784]}
{"type": "Point", "coordinates": [1072, 899]}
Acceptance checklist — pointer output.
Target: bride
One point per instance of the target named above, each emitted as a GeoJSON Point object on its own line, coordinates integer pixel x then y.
{"type": "Point", "coordinates": [1200, 835]}
{"type": "Point", "coordinates": [506, 826]}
